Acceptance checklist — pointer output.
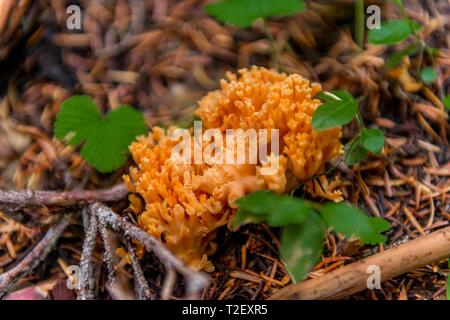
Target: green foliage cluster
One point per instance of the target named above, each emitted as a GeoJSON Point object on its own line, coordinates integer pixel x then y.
{"type": "Point", "coordinates": [305, 224]}
{"type": "Point", "coordinates": [398, 30]}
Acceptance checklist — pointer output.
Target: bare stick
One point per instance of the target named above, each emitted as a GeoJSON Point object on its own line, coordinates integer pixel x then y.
{"type": "Point", "coordinates": [141, 287]}
{"type": "Point", "coordinates": [108, 254]}
{"type": "Point", "coordinates": [169, 283]}
{"type": "Point", "coordinates": [85, 283]}
{"type": "Point", "coordinates": [35, 257]}
{"type": "Point", "coordinates": [352, 278]}
{"type": "Point", "coordinates": [196, 281]}
{"type": "Point", "coordinates": [15, 200]}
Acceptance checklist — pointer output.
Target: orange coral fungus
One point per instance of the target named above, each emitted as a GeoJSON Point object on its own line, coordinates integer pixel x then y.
{"type": "Point", "coordinates": [186, 202]}
{"type": "Point", "coordinates": [262, 98]}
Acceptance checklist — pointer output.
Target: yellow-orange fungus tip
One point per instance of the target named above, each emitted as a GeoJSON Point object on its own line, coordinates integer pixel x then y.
{"type": "Point", "coordinates": [186, 203]}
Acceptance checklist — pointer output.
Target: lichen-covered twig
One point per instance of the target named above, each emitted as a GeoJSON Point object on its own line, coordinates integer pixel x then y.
{"type": "Point", "coordinates": [85, 284]}
{"type": "Point", "coordinates": [195, 281]}
{"type": "Point", "coordinates": [32, 260]}
{"type": "Point", "coordinates": [16, 200]}
{"type": "Point", "coordinates": [108, 254]}
{"type": "Point", "coordinates": [141, 288]}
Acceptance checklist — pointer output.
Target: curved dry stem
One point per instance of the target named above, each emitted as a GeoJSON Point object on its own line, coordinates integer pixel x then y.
{"type": "Point", "coordinates": [35, 257]}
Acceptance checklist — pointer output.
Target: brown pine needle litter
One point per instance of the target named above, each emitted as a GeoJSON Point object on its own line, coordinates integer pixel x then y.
{"type": "Point", "coordinates": [162, 57]}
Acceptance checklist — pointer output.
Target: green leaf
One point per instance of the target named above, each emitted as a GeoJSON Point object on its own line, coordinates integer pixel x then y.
{"type": "Point", "coordinates": [278, 210]}
{"type": "Point", "coordinates": [354, 152]}
{"type": "Point", "coordinates": [415, 26]}
{"type": "Point", "coordinates": [428, 75]}
{"type": "Point", "coordinates": [448, 287]}
{"type": "Point", "coordinates": [301, 246]}
{"type": "Point", "coordinates": [289, 210]}
{"type": "Point", "coordinates": [352, 221]}
{"type": "Point", "coordinates": [372, 140]}
{"type": "Point", "coordinates": [338, 109]}
{"type": "Point", "coordinates": [448, 282]}
{"type": "Point", "coordinates": [243, 13]}
{"type": "Point", "coordinates": [395, 58]}
{"type": "Point", "coordinates": [242, 217]}
{"type": "Point", "coordinates": [446, 101]}
{"type": "Point", "coordinates": [399, 2]}
{"type": "Point", "coordinates": [75, 117]}
{"type": "Point", "coordinates": [393, 31]}
{"type": "Point", "coordinates": [106, 140]}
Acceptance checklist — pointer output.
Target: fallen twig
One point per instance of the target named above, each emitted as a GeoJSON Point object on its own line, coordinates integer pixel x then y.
{"type": "Point", "coordinates": [196, 281]}
{"type": "Point", "coordinates": [352, 278]}
{"type": "Point", "coordinates": [85, 283]}
{"type": "Point", "coordinates": [141, 288]}
{"type": "Point", "coordinates": [16, 200]}
{"type": "Point", "coordinates": [32, 260]}
{"type": "Point", "coordinates": [108, 254]}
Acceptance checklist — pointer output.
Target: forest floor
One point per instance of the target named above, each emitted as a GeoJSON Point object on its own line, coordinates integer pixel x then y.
{"type": "Point", "coordinates": [161, 57]}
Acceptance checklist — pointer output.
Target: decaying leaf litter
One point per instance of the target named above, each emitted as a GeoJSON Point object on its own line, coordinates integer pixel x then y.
{"type": "Point", "coordinates": [162, 56]}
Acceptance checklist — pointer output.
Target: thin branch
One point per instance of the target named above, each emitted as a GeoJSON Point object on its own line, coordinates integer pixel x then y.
{"type": "Point", "coordinates": [16, 200]}
{"type": "Point", "coordinates": [141, 288]}
{"type": "Point", "coordinates": [196, 281]}
{"type": "Point", "coordinates": [108, 254]}
{"type": "Point", "coordinates": [85, 283]}
{"type": "Point", "coordinates": [168, 285]}
{"type": "Point", "coordinates": [35, 257]}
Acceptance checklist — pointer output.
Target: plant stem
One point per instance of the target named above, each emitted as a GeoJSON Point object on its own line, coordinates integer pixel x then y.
{"type": "Point", "coordinates": [273, 44]}
{"type": "Point", "coordinates": [359, 23]}
{"type": "Point", "coordinates": [359, 119]}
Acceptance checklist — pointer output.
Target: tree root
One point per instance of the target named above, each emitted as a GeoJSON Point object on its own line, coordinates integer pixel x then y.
{"type": "Point", "coordinates": [353, 278]}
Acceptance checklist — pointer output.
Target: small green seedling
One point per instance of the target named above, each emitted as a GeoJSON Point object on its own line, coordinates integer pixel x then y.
{"type": "Point", "coordinates": [105, 138]}
{"type": "Point", "coordinates": [304, 225]}
{"type": "Point", "coordinates": [338, 109]}
{"type": "Point", "coordinates": [399, 30]}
